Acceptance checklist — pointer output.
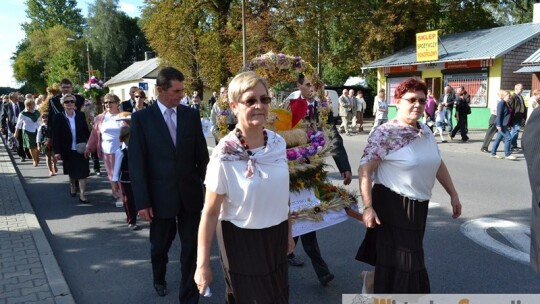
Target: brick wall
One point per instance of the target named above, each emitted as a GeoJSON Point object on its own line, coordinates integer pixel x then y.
{"type": "Point", "coordinates": [512, 62]}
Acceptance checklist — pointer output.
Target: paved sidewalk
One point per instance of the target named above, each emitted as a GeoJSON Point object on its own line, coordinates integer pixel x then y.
{"type": "Point", "coordinates": [29, 272]}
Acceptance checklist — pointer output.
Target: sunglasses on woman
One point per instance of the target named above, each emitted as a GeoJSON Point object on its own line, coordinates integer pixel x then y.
{"type": "Point", "coordinates": [421, 101]}
{"type": "Point", "coordinates": [252, 101]}
{"type": "Point", "coordinates": [69, 101]}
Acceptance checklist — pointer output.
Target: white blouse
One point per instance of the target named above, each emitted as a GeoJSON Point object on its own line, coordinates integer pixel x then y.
{"type": "Point", "coordinates": [411, 170]}
{"type": "Point", "coordinates": [25, 123]}
{"type": "Point", "coordinates": [110, 131]}
{"type": "Point", "coordinates": [255, 202]}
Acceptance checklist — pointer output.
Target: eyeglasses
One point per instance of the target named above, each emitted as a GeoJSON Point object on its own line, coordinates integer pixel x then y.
{"type": "Point", "coordinates": [252, 101]}
{"type": "Point", "coordinates": [137, 96]}
{"type": "Point", "coordinates": [109, 102]}
{"type": "Point", "coordinates": [65, 87]}
{"type": "Point", "coordinates": [421, 101]}
{"type": "Point", "coordinates": [69, 101]}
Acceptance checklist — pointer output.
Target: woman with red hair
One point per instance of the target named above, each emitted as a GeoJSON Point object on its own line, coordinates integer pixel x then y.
{"type": "Point", "coordinates": [397, 173]}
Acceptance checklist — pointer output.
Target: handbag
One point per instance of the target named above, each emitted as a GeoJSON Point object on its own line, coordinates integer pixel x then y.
{"type": "Point", "coordinates": [80, 147]}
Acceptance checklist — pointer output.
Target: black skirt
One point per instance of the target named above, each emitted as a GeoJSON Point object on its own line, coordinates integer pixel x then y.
{"type": "Point", "coordinates": [75, 165]}
{"type": "Point", "coordinates": [396, 247]}
{"type": "Point", "coordinates": [254, 263]}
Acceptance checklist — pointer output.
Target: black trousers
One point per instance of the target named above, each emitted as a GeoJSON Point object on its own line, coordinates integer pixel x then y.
{"type": "Point", "coordinates": [311, 247]}
{"type": "Point", "coordinates": [95, 160]}
{"type": "Point", "coordinates": [20, 150]}
{"type": "Point", "coordinates": [129, 203]}
{"type": "Point", "coordinates": [462, 127]}
{"type": "Point", "coordinates": [490, 132]}
{"type": "Point", "coordinates": [162, 234]}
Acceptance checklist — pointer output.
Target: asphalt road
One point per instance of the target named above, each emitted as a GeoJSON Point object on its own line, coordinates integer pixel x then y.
{"type": "Point", "coordinates": [104, 262]}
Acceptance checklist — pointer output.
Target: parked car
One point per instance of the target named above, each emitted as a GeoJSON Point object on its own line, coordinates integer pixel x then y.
{"type": "Point", "coordinates": [331, 93]}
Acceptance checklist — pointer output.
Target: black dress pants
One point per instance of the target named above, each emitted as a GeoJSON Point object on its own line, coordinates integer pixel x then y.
{"type": "Point", "coordinates": [490, 132]}
{"type": "Point", "coordinates": [462, 127]}
{"type": "Point", "coordinates": [162, 234]}
{"type": "Point", "coordinates": [311, 247]}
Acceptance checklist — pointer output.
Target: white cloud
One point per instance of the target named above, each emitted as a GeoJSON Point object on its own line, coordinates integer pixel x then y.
{"type": "Point", "coordinates": [130, 9]}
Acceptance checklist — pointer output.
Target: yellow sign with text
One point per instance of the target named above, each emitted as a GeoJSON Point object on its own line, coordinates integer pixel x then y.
{"type": "Point", "coordinates": [427, 46]}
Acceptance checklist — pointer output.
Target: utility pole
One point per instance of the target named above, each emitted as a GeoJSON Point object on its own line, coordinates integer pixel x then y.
{"type": "Point", "coordinates": [244, 55]}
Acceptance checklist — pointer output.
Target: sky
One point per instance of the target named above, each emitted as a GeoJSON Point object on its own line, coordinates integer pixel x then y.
{"type": "Point", "coordinates": [13, 13]}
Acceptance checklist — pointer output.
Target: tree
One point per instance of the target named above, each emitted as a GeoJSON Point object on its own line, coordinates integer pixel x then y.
{"type": "Point", "coordinates": [44, 14]}
{"type": "Point", "coordinates": [106, 35]}
{"type": "Point", "coordinates": [45, 58]}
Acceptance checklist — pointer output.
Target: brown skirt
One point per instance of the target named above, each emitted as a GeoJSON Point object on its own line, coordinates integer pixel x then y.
{"type": "Point", "coordinates": [254, 263]}
{"type": "Point", "coordinates": [396, 247]}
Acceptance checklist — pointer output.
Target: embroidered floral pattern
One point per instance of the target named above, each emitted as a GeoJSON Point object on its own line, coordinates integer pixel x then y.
{"type": "Point", "coordinates": [389, 137]}
{"type": "Point", "coordinates": [230, 149]}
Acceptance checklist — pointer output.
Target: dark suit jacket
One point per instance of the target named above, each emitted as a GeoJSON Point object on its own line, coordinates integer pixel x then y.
{"type": "Point", "coordinates": [126, 106]}
{"type": "Point", "coordinates": [340, 154]}
{"type": "Point", "coordinates": [531, 146]}
{"type": "Point", "coordinates": [8, 123]}
{"type": "Point", "coordinates": [503, 115]}
{"type": "Point", "coordinates": [61, 133]}
{"type": "Point", "coordinates": [55, 107]}
{"type": "Point", "coordinates": [449, 99]}
{"type": "Point", "coordinates": [519, 110]}
{"type": "Point", "coordinates": [163, 177]}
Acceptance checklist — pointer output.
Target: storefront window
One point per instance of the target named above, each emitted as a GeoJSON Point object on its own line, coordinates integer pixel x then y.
{"type": "Point", "coordinates": [392, 84]}
{"type": "Point", "coordinates": [475, 84]}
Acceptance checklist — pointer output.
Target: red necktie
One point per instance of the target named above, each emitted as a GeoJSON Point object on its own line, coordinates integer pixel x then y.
{"type": "Point", "coordinates": [311, 113]}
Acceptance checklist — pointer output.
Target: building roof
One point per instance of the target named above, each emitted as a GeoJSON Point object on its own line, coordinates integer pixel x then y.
{"type": "Point", "coordinates": [529, 69]}
{"type": "Point", "coordinates": [137, 71]}
{"type": "Point", "coordinates": [534, 59]}
{"type": "Point", "coordinates": [475, 45]}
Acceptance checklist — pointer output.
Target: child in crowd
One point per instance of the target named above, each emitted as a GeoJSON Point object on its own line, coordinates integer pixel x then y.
{"type": "Point", "coordinates": [440, 121]}
{"type": "Point", "coordinates": [44, 144]}
{"type": "Point", "coordinates": [121, 177]}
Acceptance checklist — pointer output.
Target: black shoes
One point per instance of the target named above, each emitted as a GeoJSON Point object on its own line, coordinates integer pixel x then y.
{"type": "Point", "coordinates": [325, 279]}
{"type": "Point", "coordinates": [295, 262]}
{"type": "Point", "coordinates": [484, 150]}
{"type": "Point", "coordinates": [161, 289]}
{"type": "Point", "coordinates": [84, 201]}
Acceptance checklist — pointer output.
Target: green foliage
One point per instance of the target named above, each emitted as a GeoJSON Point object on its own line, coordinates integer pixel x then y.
{"type": "Point", "coordinates": [47, 57]}
{"type": "Point", "coordinates": [106, 36]}
{"type": "Point", "coordinates": [44, 14]}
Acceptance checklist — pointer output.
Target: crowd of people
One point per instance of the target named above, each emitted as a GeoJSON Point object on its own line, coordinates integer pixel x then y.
{"type": "Point", "coordinates": [178, 188]}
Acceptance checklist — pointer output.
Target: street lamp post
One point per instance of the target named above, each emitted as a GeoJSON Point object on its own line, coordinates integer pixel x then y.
{"type": "Point", "coordinates": [90, 74]}
{"type": "Point", "coordinates": [88, 59]}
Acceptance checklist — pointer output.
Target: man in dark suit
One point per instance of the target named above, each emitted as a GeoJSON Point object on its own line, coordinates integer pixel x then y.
{"type": "Point", "coordinates": [167, 160]}
{"type": "Point", "coordinates": [10, 114]}
{"type": "Point", "coordinates": [531, 147]}
{"type": "Point", "coordinates": [309, 240]}
{"type": "Point", "coordinates": [519, 113]}
{"type": "Point", "coordinates": [128, 105]}
{"type": "Point", "coordinates": [55, 106]}
{"type": "Point", "coordinates": [447, 99]}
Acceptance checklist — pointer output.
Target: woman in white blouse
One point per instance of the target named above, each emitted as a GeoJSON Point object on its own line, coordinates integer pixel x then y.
{"type": "Point", "coordinates": [104, 138]}
{"type": "Point", "coordinates": [28, 122]}
{"type": "Point", "coordinates": [247, 202]}
{"type": "Point", "coordinates": [397, 173]}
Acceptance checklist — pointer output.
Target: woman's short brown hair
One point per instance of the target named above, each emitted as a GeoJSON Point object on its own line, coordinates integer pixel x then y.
{"type": "Point", "coordinates": [141, 93]}
{"type": "Point", "coordinates": [409, 85]}
{"type": "Point", "coordinates": [124, 134]}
